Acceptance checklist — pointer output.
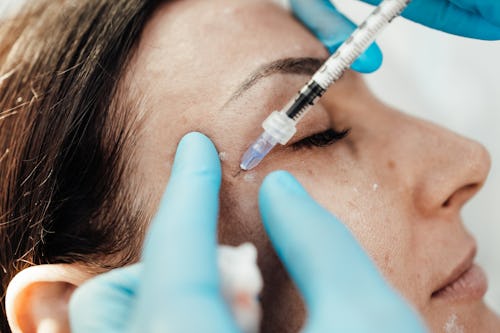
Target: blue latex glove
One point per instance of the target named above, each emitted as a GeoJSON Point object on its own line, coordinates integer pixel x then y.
{"type": "Point", "coordinates": [470, 18]}
{"type": "Point", "coordinates": [342, 288]}
{"type": "Point", "coordinates": [332, 28]}
{"type": "Point", "coordinates": [176, 287]}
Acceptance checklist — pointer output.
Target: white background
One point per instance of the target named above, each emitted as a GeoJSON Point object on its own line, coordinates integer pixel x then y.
{"type": "Point", "coordinates": [6, 5]}
{"type": "Point", "coordinates": [454, 82]}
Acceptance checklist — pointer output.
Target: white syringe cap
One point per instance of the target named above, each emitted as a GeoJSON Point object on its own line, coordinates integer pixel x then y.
{"type": "Point", "coordinates": [280, 127]}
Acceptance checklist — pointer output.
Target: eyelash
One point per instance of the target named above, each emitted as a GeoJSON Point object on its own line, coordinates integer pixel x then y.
{"type": "Point", "coordinates": [323, 139]}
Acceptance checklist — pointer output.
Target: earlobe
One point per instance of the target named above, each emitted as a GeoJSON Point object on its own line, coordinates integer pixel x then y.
{"type": "Point", "coordinates": [37, 298]}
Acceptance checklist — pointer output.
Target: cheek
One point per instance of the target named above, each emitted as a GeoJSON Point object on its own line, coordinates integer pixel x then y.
{"type": "Point", "coordinates": [368, 206]}
{"type": "Point", "coordinates": [366, 203]}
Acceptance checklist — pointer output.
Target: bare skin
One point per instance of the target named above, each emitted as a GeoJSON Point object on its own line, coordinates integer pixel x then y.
{"type": "Point", "coordinates": [397, 182]}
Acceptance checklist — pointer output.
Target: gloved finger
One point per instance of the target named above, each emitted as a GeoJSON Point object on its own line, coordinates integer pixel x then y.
{"type": "Point", "coordinates": [180, 269]}
{"type": "Point", "coordinates": [487, 9]}
{"type": "Point", "coordinates": [103, 304]}
{"type": "Point", "coordinates": [490, 10]}
{"type": "Point", "coordinates": [468, 18]}
{"type": "Point", "coordinates": [342, 288]}
{"type": "Point", "coordinates": [317, 248]}
{"type": "Point", "coordinates": [332, 29]}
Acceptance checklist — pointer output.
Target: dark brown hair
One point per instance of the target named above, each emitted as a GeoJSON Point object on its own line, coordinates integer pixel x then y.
{"type": "Point", "coordinates": [67, 131]}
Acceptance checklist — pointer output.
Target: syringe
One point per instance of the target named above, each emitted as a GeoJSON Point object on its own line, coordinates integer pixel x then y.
{"type": "Point", "coordinates": [280, 126]}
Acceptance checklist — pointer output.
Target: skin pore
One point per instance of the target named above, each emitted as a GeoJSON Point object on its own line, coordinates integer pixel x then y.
{"type": "Point", "coordinates": [397, 182]}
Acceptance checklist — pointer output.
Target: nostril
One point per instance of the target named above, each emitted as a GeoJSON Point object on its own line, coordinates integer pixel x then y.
{"type": "Point", "coordinates": [461, 196]}
{"type": "Point", "coordinates": [450, 176]}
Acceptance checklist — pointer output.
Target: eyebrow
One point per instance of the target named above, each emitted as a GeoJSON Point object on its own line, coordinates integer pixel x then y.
{"type": "Point", "coordinates": [300, 66]}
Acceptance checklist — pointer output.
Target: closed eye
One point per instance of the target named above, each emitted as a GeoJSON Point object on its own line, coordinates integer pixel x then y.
{"type": "Point", "coordinates": [323, 139]}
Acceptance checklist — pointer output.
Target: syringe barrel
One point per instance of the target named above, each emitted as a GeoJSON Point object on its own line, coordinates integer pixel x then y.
{"type": "Point", "coordinates": [333, 69]}
{"type": "Point", "coordinates": [358, 42]}
{"type": "Point", "coordinates": [309, 94]}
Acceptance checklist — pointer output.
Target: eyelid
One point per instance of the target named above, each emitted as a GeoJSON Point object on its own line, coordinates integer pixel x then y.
{"type": "Point", "coordinates": [321, 139]}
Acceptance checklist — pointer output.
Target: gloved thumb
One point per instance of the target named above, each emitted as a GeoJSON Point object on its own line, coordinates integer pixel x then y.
{"type": "Point", "coordinates": [105, 303]}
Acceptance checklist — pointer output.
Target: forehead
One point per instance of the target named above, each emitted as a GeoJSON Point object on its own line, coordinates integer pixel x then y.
{"type": "Point", "coordinates": [206, 48]}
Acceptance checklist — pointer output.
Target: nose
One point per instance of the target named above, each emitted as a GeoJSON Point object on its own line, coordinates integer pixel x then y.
{"type": "Point", "coordinates": [453, 170]}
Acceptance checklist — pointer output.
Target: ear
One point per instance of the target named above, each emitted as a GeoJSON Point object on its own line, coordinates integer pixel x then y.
{"type": "Point", "coordinates": [37, 298]}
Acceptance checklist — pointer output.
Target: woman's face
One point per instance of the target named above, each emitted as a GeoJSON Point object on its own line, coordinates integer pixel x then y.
{"type": "Point", "coordinates": [397, 182]}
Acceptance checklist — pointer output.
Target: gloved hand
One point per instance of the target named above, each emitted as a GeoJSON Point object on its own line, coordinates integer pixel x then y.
{"type": "Point", "coordinates": [342, 288]}
{"type": "Point", "coordinates": [470, 18]}
{"type": "Point", "coordinates": [176, 287]}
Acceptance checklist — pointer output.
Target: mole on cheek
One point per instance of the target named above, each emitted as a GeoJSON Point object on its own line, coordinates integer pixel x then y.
{"type": "Point", "coordinates": [391, 164]}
